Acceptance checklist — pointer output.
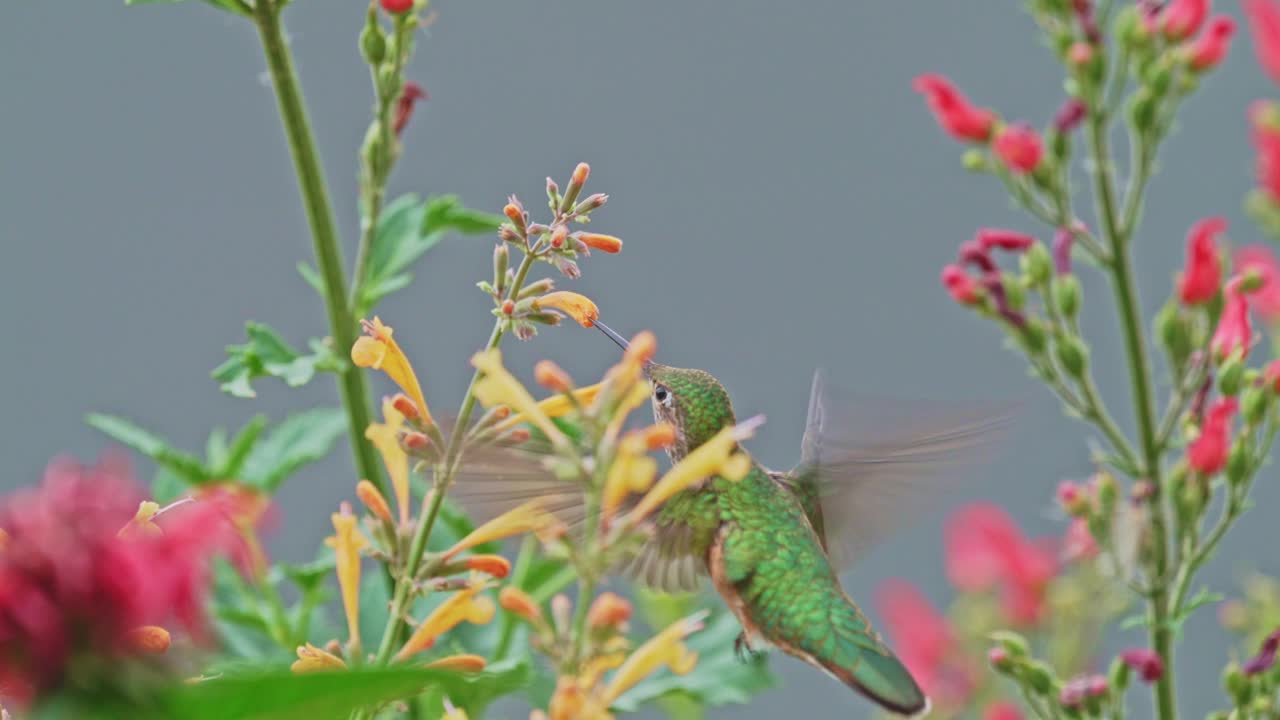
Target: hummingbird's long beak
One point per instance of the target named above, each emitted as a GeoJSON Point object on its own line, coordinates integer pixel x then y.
{"type": "Point", "coordinates": [609, 333]}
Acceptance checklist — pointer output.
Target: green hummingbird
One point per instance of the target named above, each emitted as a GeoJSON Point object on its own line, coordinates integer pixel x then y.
{"type": "Point", "coordinates": [772, 542]}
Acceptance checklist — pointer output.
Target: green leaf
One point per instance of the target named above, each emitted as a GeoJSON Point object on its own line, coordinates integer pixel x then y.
{"type": "Point", "coordinates": [1134, 621]}
{"type": "Point", "coordinates": [312, 277]}
{"type": "Point", "coordinates": [301, 439]}
{"type": "Point", "coordinates": [215, 448]}
{"type": "Point", "coordinates": [283, 695]}
{"type": "Point", "coordinates": [266, 354]}
{"type": "Point", "coordinates": [184, 464]}
{"type": "Point", "coordinates": [719, 678]}
{"type": "Point", "coordinates": [234, 458]}
{"type": "Point", "coordinates": [445, 212]}
{"type": "Point", "coordinates": [499, 679]}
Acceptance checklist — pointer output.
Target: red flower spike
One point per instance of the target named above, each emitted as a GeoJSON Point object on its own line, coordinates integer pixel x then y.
{"type": "Point", "coordinates": [395, 7]}
{"type": "Point", "coordinates": [409, 97]}
{"type": "Point", "coordinates": [1261, 260]}
{"type": "Point", "coordinates": [1235, 332]}
{"type": "Point", "coordinates": [1207, 454]}
{"type": "Point", "coordinates": [1203, 274]}
{"type": "Point", "coordinates": [1002, 710]}
{"type": "Point", "coordinates": [1211, 47]}
{"type": "Point", "coordinates": [973, 253]}
{"type": "Point", "coordinates": [1019, 147]}
{"type": "Point", "coordinates": [960, 118]}
{"type": "Point", "coordinates": [1182, 18]}
{"type": "Point", "coordinates": [1264, 21]}
{"type": "Point", "coordinates": [1146, 662]}
{"type": "Point", "coordinates": [963, 288]}
{"type": "Point", "coordinates": [1011, 240]}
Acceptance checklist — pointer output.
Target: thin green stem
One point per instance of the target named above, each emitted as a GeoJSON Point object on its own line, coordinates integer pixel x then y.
{"type": "Point", "coordinates": [444, 477]}
{"type": "Point", "coordinates": [324, 236]}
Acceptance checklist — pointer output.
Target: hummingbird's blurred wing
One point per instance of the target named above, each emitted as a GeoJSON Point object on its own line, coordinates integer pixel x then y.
{"type": "Point", "coordinates": [492, 480]}
{"type": "Point", "coordinates": [868, 464]}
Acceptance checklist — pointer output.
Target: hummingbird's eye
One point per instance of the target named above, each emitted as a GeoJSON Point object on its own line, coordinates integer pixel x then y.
{"type": "Point", "coordinates": [662, 395]}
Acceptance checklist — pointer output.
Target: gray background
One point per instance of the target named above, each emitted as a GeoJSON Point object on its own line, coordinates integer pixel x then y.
{"type": "Point", "coordinates": [785, 199]}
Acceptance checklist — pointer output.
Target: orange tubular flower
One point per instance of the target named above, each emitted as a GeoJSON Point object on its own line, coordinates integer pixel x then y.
{"type": "Point", "coordinates": [632, 471]}
{"type": "Point", "coordinates": [385, 437]}
{"type": "Point", "coordinates": [555, 406]}
{"type": "Point", "coordinates": [716, 457]}
{"type": "Point", "coordinates": [494, 566]}
{"type": "Point", "coordinates": [150, 639]}
{"type": "Point", "coordinates": [608, 611]}
{"type": "Point", "coordinates": [378, 350]}
{"type": "Point", "coordinates": [462, 606]}
{"type": "Point", "coordinates": [515, 600]}
{"type": "Point", "coordinates": [312, 659]}
{"type": "Point", "coordinates": [605, 243]}
{"type": "Point", "coordinates": [578, 307]}
{"type": "Point", "coordinates": [461, 663]}
{"type": "Point", "coordinates": [346, 543]}
{"type": "Point", "coordinates": [373, 500]}
{"type": "Point", "coordinates": [500, 387]}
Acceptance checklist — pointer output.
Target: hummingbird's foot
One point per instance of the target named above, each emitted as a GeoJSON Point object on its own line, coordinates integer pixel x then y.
{"type": "Point", "coordinates": [742, 649]}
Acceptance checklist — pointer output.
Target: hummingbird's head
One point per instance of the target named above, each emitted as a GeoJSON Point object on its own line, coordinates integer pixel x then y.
{"type": "Point", "coordinates": [691, 401]}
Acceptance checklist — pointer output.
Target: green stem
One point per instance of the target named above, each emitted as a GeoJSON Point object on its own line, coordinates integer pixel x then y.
{"type": "Point", "coordinates": [447, 468]}
{"type": "Point", "coordinates": [324, 236]}
{"type": "Point", "coordinates": [1144, 407]}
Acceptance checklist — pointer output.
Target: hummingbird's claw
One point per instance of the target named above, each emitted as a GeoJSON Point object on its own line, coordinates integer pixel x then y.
{"type": "Point", "coordinates": [742, 649]}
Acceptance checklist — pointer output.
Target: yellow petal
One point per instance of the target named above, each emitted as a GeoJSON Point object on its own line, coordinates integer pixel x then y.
{"type": "Point", "coordinates": [715, 457]}
{"type": "Point", "coordinates": [378, 350]}
{"type": "Point", "coordinates": [151, 639]}
{"type": "Point", "coordinates": [346, 543]}
{"type": "Point", "coordinates": [632, 471]}
{"type": "Point", "coordinates": [665, 648]}
{"type": "Point", "coordinates": [500, 387]}
{"type": "Point", "coordinates": [529, 517]}
{"type": "Point", "coordinates": [578, 307]}
{"type": "Point", "coordinates": [598, 666]}
{"type": "Point", "coordinates": [385, 436]}
{"type": "Point", "coordinates": [462, 606]}
{"type": "Point", "coordinates": [556, 405]}
{"type": "Point", "coordinates": [143, 524]}
{"type": "Point", "coordinates": [461, 663]}
{"type": "Point", "coordinates": [312, 658]}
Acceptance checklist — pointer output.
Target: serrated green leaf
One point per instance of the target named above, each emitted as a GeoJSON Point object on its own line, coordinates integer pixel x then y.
{"type": "Point", "coordinates": [186, 465]}
{"type": "Point", "coordinates": [234, 458]}
{"type": "Point", "coordinates": [266, 354]}
{"type": "Point", "coordinates": [301, 439]}
{"type": "Point", "coordinates": [278, 694]}
{"type": "Point", "coordinates": [719, 678]}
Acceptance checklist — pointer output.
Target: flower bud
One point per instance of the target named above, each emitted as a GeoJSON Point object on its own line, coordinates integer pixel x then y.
{"type": "Point", "coordinates": [1072, 355]}
{"type": "Point", "coordinates": [1239, 461]}
{"type": "Point", "coordinates": [608, 611]}
{"type": "Point", "coordinates": [372, 499]}
{"type": "Point", "coordinates": [1119, 675]}
{"type": "Point", "coordinates": [1039, 676]}
{"type": "Point", "coordinates": [415, 441]}
{"type": "Point", "coordinates": [373, 45]}
{"type": "Point", "coordinates": [1230, 375]}
{"type": "Point", "coordinates": [1142, 111]}
{"type": "Point", "coordinates": [576, 181]}
{"type": "Point", "coordinates": [999, 659]}
{"type": "Point", "coordinates": [508, 307]}
{"type": "Point", "coordinates": [1254, 404]}
{"type": "Point", "coordinates": [517, 601]}
{"type": "Point", "coordinates": [594, 201]}
{"type": "Point", "coordinates": [1037, 265]}
{"type": "Point", "coordinates": [506, 233]}
{"type": "Point", "coordinates": [1014, 293]}
{"type": "Point", "coordinates": [558, 235]}
{"type": "Point", "coordinates": [1072, 499]}
{"type": "Point", "coordinates": [974, 160]}
{"type": "Point", "coordinates": [539, 287]}
{"type": "Point", "coordinates": [1237, 684]}
{"type": "Point", "coordinates": [1066, 295]}
{"type": "Point", "coordinates": [1106, 490]}
{"type": "Point", "coordinates": [492, 565]}
{"type": "Point", "coordinates": [1013, 643]}
{"type": "Point", "coordinates": [552, 377]}
{"type": "Point", "coordinates": [1174, 334]}
{"type": "Point", "coordinates": [389, 82]}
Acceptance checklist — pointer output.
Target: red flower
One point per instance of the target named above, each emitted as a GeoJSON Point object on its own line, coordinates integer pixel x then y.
{"type": "Point", "coordinates": [409, 96]}
{"type": "Point", "coordinates": [954, 112]}
{"type": "Point", "coordinates": [1182, 18]}
{"type": "Point", "coordinates": [1259, 259]}
{"type": "Point", "coordinates": [1211, 46]}
{"type": "Point", "coordinates": [1011, 240]}
{"type": "Point", "coordinates": [1264, 21]}
{"type": "Point", "coordinates": [963, 288]}
{"type": "Point", "coordinates": [1070, 115]}
{"type": "Point", "coordinates": [1234, 333]}
{"type": "Point", "coordinates": [1147, 662]}
{"type": "Point", "coordinates": [925, 643]}
{"type": "Point", "coordinates": [1207, 454]}
{"type": "Point", "coordinates": [72, 584]}
{"type": "Point", "coordinates": [1203, 274]}
{"type": "Point", "coordinates": [1002, 710]}
{"type": "Point", "coordinates": [395, 7]}
{"type": "Point", "coordinates": [1265, 118]}
{"type": "Point", "coordinates": [1019, 147]}
{"type": "Point", "coordinates": [985, 549]}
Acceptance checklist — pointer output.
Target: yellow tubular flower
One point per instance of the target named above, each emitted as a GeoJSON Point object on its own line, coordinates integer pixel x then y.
{"type": "Point", "coordinates": [462, 606]}
{"type": "Point", "coordinates": [555, 406]}
{"type": "Point", "coordinates": [151, 639]}
{"type": "Point", "coordinates": [598, 666]}
{"type": "Point", "coordinates": [312, 658]}
{"type": "Point", "coordinates": [716, 456]}
{"type": "Point", "coordinates": [378, 350]}
{"type": "Point", "coordinates": [143, 523]}
{"type": "Point", "coordinates": [665, 648]}
{"type": "Point", "coordinates": [632, 472]}
{"type": "Point", "coordinates": [385, 437]}
{"type": "Point", "coordinates": [461, 663]}
{"type": "Point", "coordinates": [346, 543]}
{"type": "Point", "coordinates": [500, 387]}
{"type": "Point", "coordinates": [529, 517]}
{"type": "Point", "coordinates": [578, 307]}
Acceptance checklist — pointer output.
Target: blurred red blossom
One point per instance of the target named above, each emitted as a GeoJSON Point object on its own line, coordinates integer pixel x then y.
{"type": "Point", "coordinates": [1211, 47]}
{"type": "Point", "coordinates": [1207, 454]}
{"type": "Point", "coordinates": [409, 97]}
{"type": "Point", "coordinates": [1264, 21]}
{"type": "Point", "coordinates": [1203, 273]}
{"type": "Point", "coordinates": [962, 287]}
{"type": "Point", "coordinates": [1261, 260]}
{"type": "Point", "coordinates": [1147, 662]}
{"type": "Point", "coordinates": [1002, 710]}
{"type": "Point", "coordinates": [1234, 333]}
{"type": "Point", "coordinates": [1264, 118]}
{"type": "Point", "coordinates": [926, 644]}
{"type": "Point", "coordinates": [1180, 19]}
{"type": "Point", "coordinates": [986, 550]}
{"type": "Point", "coordinates": [76, 579]}
{"type": "Point", "coordinates": [956, 115]}
{"type": "Point", "coordinates": [1079, 544]}
{"type": "Point", "coordinates": [1019, 147]}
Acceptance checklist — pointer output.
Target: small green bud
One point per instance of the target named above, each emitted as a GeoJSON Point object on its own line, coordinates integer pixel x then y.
{"type": "Point", "coordinates": [1066, 295]}
{"type": "Point", "coordinates": [536, 288]}
{"type": "Point", "coordinates": [1033, 336]}
{"type": "Point", "coordinates": [1059, 146]}
{"type": "Point", "coordinates": [1237, 684]}
{"type": "Point", "coordinates": [1174, 334]}
{"type": "Point", "coordinates": [1254, 404]}
{"type": "Point", "coordinates": [1230, 375]}
{"type": "Point", "coordinates": [1119, 675]}
{"type": "Point", "coordinates": [1012, 642]}
{"type": "Point", "coordinates": [1158, 76]}
{"type": "Point", "coordinates": [1190, 501]}
{"type": "Point", "coordinates": [1040, 677]}
{"type": "Point", "coordinates": [1108, 491]}
{"type": "Point", "coordinates": [1072, 354]}
{"type": "Point", "coordinates": [1142, 111]}
{"type": "Point", "coordinates": [1037, 265]}
{"type": "Point", "coordinates": [1129, 28]}
{"type": "Point", "coordinates": [1014, 292]}
{"type": "Point", "coordinates": [975, 160]}
{"type": "Point", "coordinates": [500, 259]}
{"type": "Point", "coordinates": [372, 44]}
{"type": "Point", "coordinates": [1239, 460]}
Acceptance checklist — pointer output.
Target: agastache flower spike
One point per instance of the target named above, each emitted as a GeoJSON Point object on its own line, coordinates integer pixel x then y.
{"type": "Point", "coordinates": [954, 112]}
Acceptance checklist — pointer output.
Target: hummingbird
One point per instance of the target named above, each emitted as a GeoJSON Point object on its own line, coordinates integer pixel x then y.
{"type": "Point", "coordinates": [772, 544]}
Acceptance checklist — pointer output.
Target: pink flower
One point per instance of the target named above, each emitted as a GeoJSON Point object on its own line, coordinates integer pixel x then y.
{"type": "Point", "coordinates": [1234, 333]}
{"type": "Point", "coordinates": [1259, 259]}
{"type": "Point", "coordinates": [985, 550]}
{"type": "Point", "coordinates": [1265, 119]}
{"type": "Point", "coordinates": [1266, 657]}
{"type": "Point", "coordinates": [1207, 454]}
{"type": "Point", "coordinates": [1211, 47]}
{"type": "Point", "coordinates": [1264, 21]}
{"type": "Point", "coordinates": [1019, 147]}
{"type": "Point", "coordinates": [963, 288]}
{"type": "Point", "coordinates": [1002, 710]}
{"type": "Point", "coordinates": [1203, 274]}
{"type": "Point", "coordinates": [1070, 115]}
{"type": "Point", "coordinates": [73, 585]}
{"type": "Point", "coordinates": [960, 118]}
{"type": "Point", "coordinates": [1012, 240]}
{"type": "Point", "coordinates": [1079, 543]}
{"type": "Point", "coordinates": [1147, 662]}
{"type": "Point", "coordinates": [925, 643]}
{"type": "Point", "coordinates": [1182, 18]}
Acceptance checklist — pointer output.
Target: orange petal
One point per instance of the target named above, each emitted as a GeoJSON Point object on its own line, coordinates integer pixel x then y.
{"type": "Point", "coordinates": [606, 243]}
{"type": "Point", "coordinates": [461, 663]}
{"type": "Point", "coordinates": [312, 658]}
{"type": "Point", "coordinates": [515, 600]}
{"type": "Point", "coordinates": [578, 307]}
{"type": "Point", "coordinates": [491, 565]}
{"type": "Point", "coordinates": [373, 500]}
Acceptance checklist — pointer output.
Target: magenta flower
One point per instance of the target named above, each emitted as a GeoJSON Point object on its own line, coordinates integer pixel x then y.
{"type": "Point", "coordinates": [1146, 662]}
{"type": "Point", "coordinates": [986, 550]}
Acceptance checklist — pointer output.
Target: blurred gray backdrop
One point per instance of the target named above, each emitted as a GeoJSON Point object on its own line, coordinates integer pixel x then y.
{"type": "Point", "coordinates": [785, 199]}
